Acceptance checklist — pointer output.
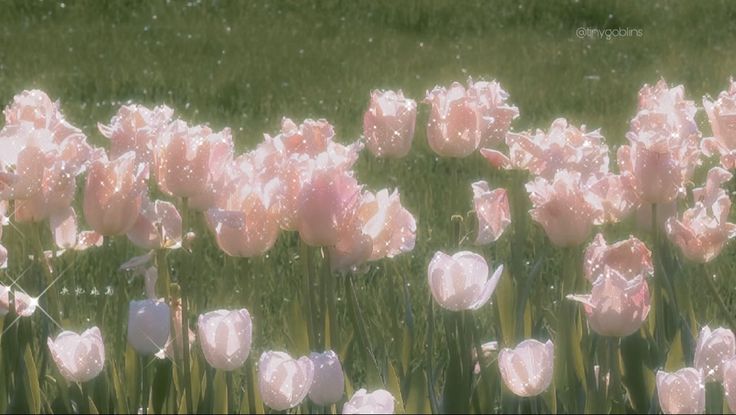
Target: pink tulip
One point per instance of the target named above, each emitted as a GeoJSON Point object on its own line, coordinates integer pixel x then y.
{"type": "Point", "coordinates": [704, 229]}
{"type": "Point", "coordinates": [136, 128]}
{"type": "Point", "coordinates": [388, 125]}
{"type": "Point", "coordinates": [25, 305]}
{"type": "Point", "coordinates": [714, 348]}
{"type": "Point", "coordinates": [496, 114]}
{"type": "Point", "coordinates": [565, 208]}
{"type": "Point", "coordinates": [729, 382]}
{"type": "Point", "coordinates": [527, 369]}
{"type": "Point", "coordinates": [617, 306]}
{"type": "Point", "coordinates": [149, 325]}
{"type": "Point", "coordinates": [681, 392]}
{"type": "Point", "coordinates": [492, 210]}
{"type": "Point", "coordinates": [722, 117]}
{"type": "Point", "coordinates": [562, 147]}
{"type": "Point", "coordinates": [351, 251]}
{"type": "Point", "coordinates": [226, 338]}
{"type": "Point", "coordinates": [329, 381]}
{"type": "Point", "coordinates": [114, 194]}
{"type": "Point", "coordinates": [379, 401]}
{"type": "Point", "coordinates": [158, 226]}
{"type": "Point", "coordinates": [80, 358]}
{"type": "Point", "coordinates": [616, 198]}
{"type": "Point", "coordinates": [629, 258]}
{"type": "Point", "coordinates": [284, 382]}
{"type": "Point", "coordinates": [455, 121]}
{"type": "Point", "coordinates": [310, 138]}
{"type": "Point", "coordinates": [391, 228]}
{"type": "Point", "coordinates": [668, 104]}
{"type": "Point", "coordinates": [460, 282]}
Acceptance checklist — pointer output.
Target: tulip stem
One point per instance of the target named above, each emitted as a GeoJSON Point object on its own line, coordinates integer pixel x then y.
{"type": "Point", "coordinates": [719, 300]}
{"type": "Point", "coordinates": [185, 354]}
{"type": "Point", "coordinates": [43, 262]}
{"type": "Point", "coordinates": [306, 259]}
{"type": "Point", "coordinates": [328, 284]}
{"type": "Point", "coordinates": [359, 323]}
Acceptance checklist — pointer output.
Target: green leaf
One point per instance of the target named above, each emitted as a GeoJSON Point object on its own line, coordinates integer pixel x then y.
{"type": "Point", "coordinates": [161, 384]}
{"type": "Point", "coordinates": [121, 406]}
{"type": "Point", "coordinates": [505, 304]}
{"type": "Point", "coordinates": [394, 386]}
{"type": "Point", "coordinates": [417, 400]}
{"type": "Point", "coordinates": [219, 402]}
{"type": "Point", "coordinates": [132, 378]}
{"type": "Point", "coordinates": [33, 390]}
{"type": "Point", "coordinates": [675, 356]}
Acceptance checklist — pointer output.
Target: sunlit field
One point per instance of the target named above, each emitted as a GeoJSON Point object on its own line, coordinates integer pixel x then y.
{"type": "Point", "coordinates": [343, 229]}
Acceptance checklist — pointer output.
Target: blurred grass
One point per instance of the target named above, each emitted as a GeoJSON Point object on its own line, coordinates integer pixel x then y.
{"type": "Point", "coordinates": [246, 64]}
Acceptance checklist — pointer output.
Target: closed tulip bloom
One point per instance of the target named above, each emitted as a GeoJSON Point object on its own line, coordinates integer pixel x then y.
{"type": "Point", "coordinates": [492, 210]}
{"type": "Point", "coordinates": [454, 127]}
{"type": "Point", "coordinates": [158, 226]}
{"type": "Point", "coordinates": [149, 325]}
{"type": "Point", "coordinates": [329, 381]}
{"type": "Point", "coordinates": [79, 357]}
{"type": "Point", "coordinates": [226, 337]}
{"type": "Point", "coordinates": [629, 257]}
{"type": "Point", "coordinates": [722, 118]}
{"type": "Point", "coordinates": [565, 208]}
{"type": "Point", "coordinates": [729, 382]}
{"type": "Point", "coordinates": [681, 392]}
{"type": "Point", "coordinates": [617, 306]}
{"type": "Point", "coordinates": [496, 113]}
{"type": "Point", "coordinates": [388, 125]}
{"type": "Point", "coordinates": [136, 128]}
{"type": "Point", "coordinates": [527, 369]}
{"type": "Point", "coordinates": [377, 402]}
{"type": "Point", "coordinates": [460, 282]}
{"type": "Point", "coordinates": [284, 382]}
{"type": "Point", "coordinates": [114, 193]}
{"type": "Point", "coordinates": [713, 349]}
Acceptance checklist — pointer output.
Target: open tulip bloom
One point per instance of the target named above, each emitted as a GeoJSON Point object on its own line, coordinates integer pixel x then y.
{"type": "Point", "coordinates": [79, 357]}
{"type": "Point", "coordinates": [460, 282]}
{"type": "Point", "coordinates": [681, 392]}
{"type": "Point", "coordinates": [527, 369]}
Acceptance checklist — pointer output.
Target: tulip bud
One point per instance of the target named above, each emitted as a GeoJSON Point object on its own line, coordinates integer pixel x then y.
{"type": "Point", "coordinates": [329, 381]}
{"type": "Point", "coordinates": [713, 349]}
{"type": "Point", "coordinates": [226, 337]}
{"type": "Point", "coordinates": [376, 402]}
{"type": "Point", "coordinates": [79, 357]}
{"type": "Point", "coordinates": [681, 392]}
{"type": "Point", "coordinates": [389, 123]}
{"type": "Point", "coordinates": [460, 282]}
{"type": "Point", "coordinates": [149, 325]}
{"type": "Point", "coordinates": [527, 369]}
{"type": "Point", "coordinates": [284, 382]}
{"type": "Point", "coordinates": [492, 210]}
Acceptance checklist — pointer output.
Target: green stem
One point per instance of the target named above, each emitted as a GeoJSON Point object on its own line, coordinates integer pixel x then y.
{"type": "Point", "coordinates": [185, 354]}
{"type": "Point", "coordinates": [39, 255]}
{"type": "Point", "coordinates": [328, 282]}
{"type": "Point", "coordinates": [306, 259]}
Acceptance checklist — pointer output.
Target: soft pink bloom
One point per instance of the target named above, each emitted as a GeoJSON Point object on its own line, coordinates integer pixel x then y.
{"type": "Point", "coordinates": [662, 102]}
{"type": "Point", "coordinates": [460, 282]}
{"type": "Point", "coordinates": [714, 348]}
{"type": "Point", "coordinates": [455, 121]}
{"type": "Point", "coordinates": [496, 113]}
{"type": "Point", "coordinates": [136, 128]}
{"type": "Point", "coordinates": [703, 230]}
{"type": "Point", "coordinates": [527, 369]}
{"type": "Point", "coordinates": [329, 381]}
{"type": "Point", "coordinates": [311, 137]}
{"type": "Point", "coordinates": [492, 210]}
{"type": "Point", "coordinates": [616, 198]}
{"type": "Point", "coordinates": [617, 306]}
{"type": "Point", "coordinates": [629, 257]}
{"type": "Point", "coordinates": [79, 357]}
{"type": "Point", "coordinates": [283, 381]}
{"type": "Point", "coordinates": [158, 226]}
{"type": "Point", "coordinates": [226, 337]}
{"type": "Point", "coordinates": [379, 401]}
{"type": "Point", "coordinates": [190, 159]}
{"type": "Point", "coordinates": [565, 207]}
{"type": "Point", "coordinates": [388, 125]}
{"type": "Point", "coordinates": [149, 325]}
{"type": "Point", "coordinates": [25, 305]}
{"type": "Point", "coordinates": [681, 392]}
{"type": "Point", "coordinates": [729, 382]}
{"type": "Point", "coordinates": [563, 147]}
{"type": "Point", "coordinates": [722, 117]}
{"type": "Point", "coordinates": [114, 193]}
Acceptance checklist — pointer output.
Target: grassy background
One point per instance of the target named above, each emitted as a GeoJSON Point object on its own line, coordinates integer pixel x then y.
{"type": "Point", "coordinates": [246, 64]}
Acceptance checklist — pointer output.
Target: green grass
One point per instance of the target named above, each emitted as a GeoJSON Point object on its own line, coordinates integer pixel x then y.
{"type": "Point", "coordinates": [245, 65]}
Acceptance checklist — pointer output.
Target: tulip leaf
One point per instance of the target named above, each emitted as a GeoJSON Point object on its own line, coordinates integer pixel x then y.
{"type": "Point", "coordinates": [91, 406]}
{"type": "Point", "coordinates": [505, 304]}
{"type": "Point", "coordinates": [121, 406]}
{"type": "Point", "coordinates": [417, 400]}
{"type": "Point", "coordinates": [195, 379]}
{"type": "Point", "coordinates": [298, 334]}
{"type": "Point", "coordinates": [33, 390]}
{"type": "Point", "coordinates": [394, 386]}
{"type": "Point", "coordinates": [675, 356]}
{"type": "Point", "coordinates": [406, 342]}
{"type": "Point", "coordinates": [161, 385]}
{"type": "Point", "coordinates": [132, 378]}
{"type": "Point", "coordinates": [219, 387]}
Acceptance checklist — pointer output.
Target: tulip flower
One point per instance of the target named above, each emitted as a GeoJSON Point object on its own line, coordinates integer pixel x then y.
{"type": "Point", "coordinates": [311, 137]}
{"type": "Point", "coordinates": [722, 117]}
{"type": "Point", "coordinates": [496, 114]}
{"type": "Point", "coordinates": [460, 282]}
{"type": "Point", "coordinates": [704, 229]}
{"type": "Point", "coordinates": [492, 210]}
{"type": "Point", "coordinates": [713, 349]}
{"type": "Point", "coordinates": [388, 125]}
{"type": "Point", "coordinates": [616, 198]}
{"type": "Point", "coordinates": [729, 382]}
{"type": "Point", "coordinates": [617, 306]}
{"type": "Point", "coordinates": [226, 338]}
{"type": "Point", "coordinates": [284, 382]}
{"type": "Point", "coordinates": [527, 369]}
{"type": "Point", "coordinates": [681, 392]}
{"type": "Point", "coordinates": [149, 325]}
{"type": "Point", "coordinates": [564, 207]}
{"type": "Point", "coordinates": [629, 258]}
{"type": "Point", "coordinates": [391, 228]}
{"type": "Point", "coordinates": [136, 128]}
{"type": "Point", "coordinates": [329, 381]}
{"type": "Point", "coordinates": [25, 305]}
{"type": "Point", "coordinates": [79, 357]}
{"type": "Point", "coordinates": [562, 147]}
{"type": "Point", "coordinates": [377, 402]}
{"type": "Point", "coordinates": [454, 128]}
{"type": "Point", "coordinates": [669, 106]}
{"type": "Point", "coordinates": [158, 226]}
{"type": "Point", "coordinates": [114, 194]}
